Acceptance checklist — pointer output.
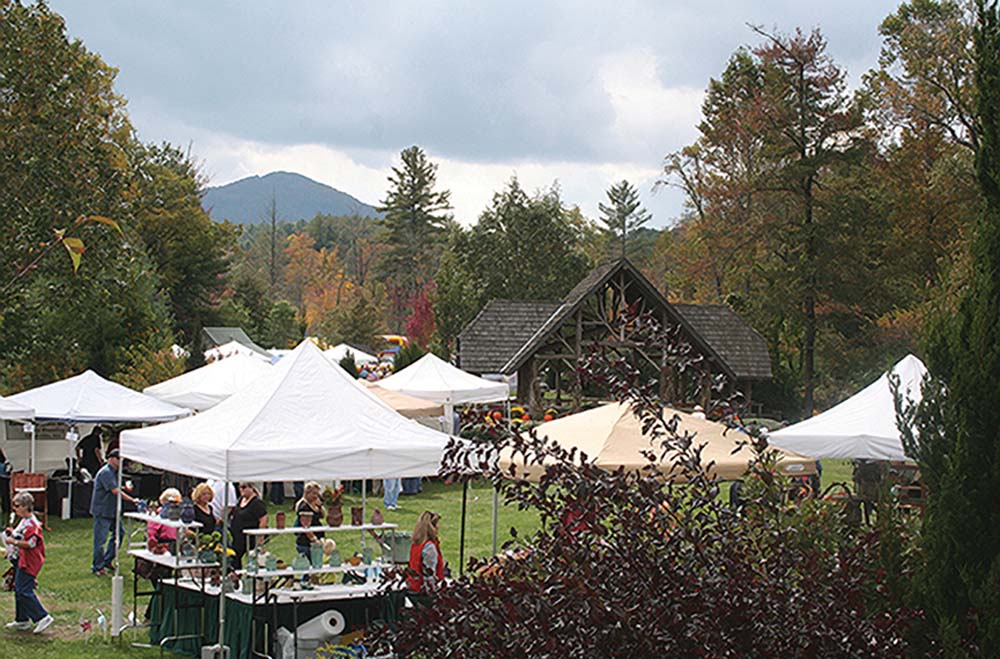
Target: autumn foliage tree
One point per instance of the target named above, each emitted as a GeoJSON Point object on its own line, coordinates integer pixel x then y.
{"type": "Point", "coordinates": [420, 326]}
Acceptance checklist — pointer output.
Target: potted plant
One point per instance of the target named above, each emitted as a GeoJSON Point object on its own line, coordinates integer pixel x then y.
{"type": "Point", "coordinates": [211, 548]}
{"type": "Point", "coordinates": [333, 500]}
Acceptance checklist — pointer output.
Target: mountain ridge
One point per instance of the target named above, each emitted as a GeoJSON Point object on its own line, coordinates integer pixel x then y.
{"type": "Point", "coordinates": [297, 197]}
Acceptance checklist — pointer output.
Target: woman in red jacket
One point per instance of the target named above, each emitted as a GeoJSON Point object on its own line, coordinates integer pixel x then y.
{"type": "Point", "coordinates": [426, 562]}
{"type": "Point", "coordinates": [26, 539]}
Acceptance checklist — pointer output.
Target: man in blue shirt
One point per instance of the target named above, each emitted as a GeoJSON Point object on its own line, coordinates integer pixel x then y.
{"type": "Point", "coordinates": [104, 510]}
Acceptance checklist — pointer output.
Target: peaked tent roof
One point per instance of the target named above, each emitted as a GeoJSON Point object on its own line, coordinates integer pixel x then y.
{"type": "Point", "coordinates": [498, 331]}
{"type": "Point", "coordinates": [708, 344]}
{"type": "Point", "coordinates": [863, 426]}
{"type": "Point", "coordinates": [227, 350]}
{"type": "Point", "coordinates": [432, 378]}
{"type": "Point", "coordinates": [339, 351]}
{"type": "Point", "coordinates": [612, 435]}
{"type": "Point", "coordinates": [220, 336]}
{"type": "Point", "coordinates": [89, 398]}
{"type": "Point", "coordinates": [211, 384]}
{"type": "Point", "coordinates": [14, 411]}
{"type": "Point", "coordinates": [306, 419]}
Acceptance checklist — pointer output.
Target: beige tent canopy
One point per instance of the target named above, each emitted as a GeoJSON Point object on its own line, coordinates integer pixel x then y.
{"type": "Point", "coordinates": [409, 406]}
{"type": "Point", "coordinates": [613, 436]}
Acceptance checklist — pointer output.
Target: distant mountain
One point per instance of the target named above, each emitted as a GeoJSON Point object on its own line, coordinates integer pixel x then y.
{"type": "Point", "coordinates": [248, 201]}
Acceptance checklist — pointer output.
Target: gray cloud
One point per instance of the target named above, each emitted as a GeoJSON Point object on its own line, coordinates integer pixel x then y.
{"type": "Point", "coordinates": [486, 83]}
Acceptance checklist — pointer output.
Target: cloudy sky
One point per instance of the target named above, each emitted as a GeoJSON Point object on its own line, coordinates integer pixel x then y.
{"type": "Point", "coordinates": [583, 93]}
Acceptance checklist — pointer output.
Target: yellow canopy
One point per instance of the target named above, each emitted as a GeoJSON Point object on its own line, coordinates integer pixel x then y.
{"type": "Point", "coordinates": [409, 406]}
{"type": "Point", "coordinates": [613, 436]}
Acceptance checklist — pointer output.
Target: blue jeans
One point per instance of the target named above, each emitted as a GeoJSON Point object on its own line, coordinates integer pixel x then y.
{"type": "Point", "coordinates": [103, 555]}
{"type": "Point", "coordinates": [26, 604]}
{"type": "Point", "coordinates": [391, 487]}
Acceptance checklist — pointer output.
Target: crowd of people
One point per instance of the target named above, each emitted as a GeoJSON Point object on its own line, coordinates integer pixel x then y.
{"type": "Point", "coordinates": [23, 541]}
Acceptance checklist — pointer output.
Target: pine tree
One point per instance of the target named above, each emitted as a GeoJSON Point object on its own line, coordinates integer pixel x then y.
{"type": "Point", "coordinates": [624, 215]}
{"type": "Point", "coordinates": [413, 226]}
{"type": "Point", "coordinates": [956, 443]}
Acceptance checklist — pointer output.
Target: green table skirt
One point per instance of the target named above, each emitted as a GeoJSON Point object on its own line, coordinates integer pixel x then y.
{"type": "Point", "coordinates": [199, 613]}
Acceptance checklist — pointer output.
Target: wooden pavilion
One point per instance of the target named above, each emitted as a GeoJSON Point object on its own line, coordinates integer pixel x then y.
{"type": "Point", "coordinates": [545, 339]}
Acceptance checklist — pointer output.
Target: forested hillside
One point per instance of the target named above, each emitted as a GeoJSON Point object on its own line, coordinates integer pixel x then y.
{"type": "Point", "coordinates": [830, 218]}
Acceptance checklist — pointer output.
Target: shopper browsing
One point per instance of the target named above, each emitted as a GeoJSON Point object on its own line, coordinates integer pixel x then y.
{"type": "Point", "coordinates": [26, 541]}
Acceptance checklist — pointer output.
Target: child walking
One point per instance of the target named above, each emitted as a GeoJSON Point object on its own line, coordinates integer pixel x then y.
{"type": "Point", "coordinates": [25, 542]}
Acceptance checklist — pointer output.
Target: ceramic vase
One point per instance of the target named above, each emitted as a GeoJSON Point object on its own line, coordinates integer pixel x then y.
{"type": "Point", "coordinates": [377, 517]}
{"type": "Point", "coordinates": [279, 519]}
{"type": "Point", "coordinates": [316, 554]}
{"type": "Point", "coordinates": [335, 559]}
{"type": "Point", "coordinates": [334, 516]}
{"type": "Point", "coordinates": [187, 511]}
{"type": "Point", "coordinates": [173, 511]}
{"type": "Point", "coordinates": [357, 516]}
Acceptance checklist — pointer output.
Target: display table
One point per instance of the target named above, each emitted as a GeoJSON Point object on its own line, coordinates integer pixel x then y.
{"type": "Point", "coordinates": [359, 605]}
{"type": "Point", "coordinates": [59, 490]}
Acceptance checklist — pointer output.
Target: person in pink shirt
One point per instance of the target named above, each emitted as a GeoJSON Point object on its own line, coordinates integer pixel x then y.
{"type": "Point", "coordinates": [158, 534]}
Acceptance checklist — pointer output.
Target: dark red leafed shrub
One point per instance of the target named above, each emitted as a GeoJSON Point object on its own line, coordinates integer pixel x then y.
{"type": "Point", "coordinates": [626, 566]}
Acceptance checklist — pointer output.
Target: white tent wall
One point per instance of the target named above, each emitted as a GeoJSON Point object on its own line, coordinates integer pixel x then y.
{"type": "Point", "coordinates": [51, 446]}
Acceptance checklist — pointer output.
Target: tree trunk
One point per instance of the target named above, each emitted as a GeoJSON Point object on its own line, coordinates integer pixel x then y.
{"type": "Point", "coordinates": [809, 305]}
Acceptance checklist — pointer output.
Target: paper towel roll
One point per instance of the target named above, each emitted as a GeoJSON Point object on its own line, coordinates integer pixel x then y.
{"type": "Point", "coordinates": [325, 625]}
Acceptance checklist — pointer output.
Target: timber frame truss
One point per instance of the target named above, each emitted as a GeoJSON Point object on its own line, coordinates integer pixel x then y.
{"type": "Point", "coordinates": [601, 317]}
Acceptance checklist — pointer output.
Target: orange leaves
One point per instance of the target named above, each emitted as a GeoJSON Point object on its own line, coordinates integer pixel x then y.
{"type": "Point", "coordinates": [315, 280]}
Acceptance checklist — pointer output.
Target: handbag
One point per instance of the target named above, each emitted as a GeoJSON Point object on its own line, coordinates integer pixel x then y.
{"type": "Point", "coordinates": [8, 579]}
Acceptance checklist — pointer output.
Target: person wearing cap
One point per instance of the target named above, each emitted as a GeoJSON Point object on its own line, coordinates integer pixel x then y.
{"type": "Point", "coordinates": [104, 510]}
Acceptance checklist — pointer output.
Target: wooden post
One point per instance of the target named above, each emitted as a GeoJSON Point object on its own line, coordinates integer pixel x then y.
{"type": "Point", "coordinates": [705, 392]}
{"type": "Point", "coordinates": [527, 386]}
{"type": "Point", "coordinates": [578, 351]}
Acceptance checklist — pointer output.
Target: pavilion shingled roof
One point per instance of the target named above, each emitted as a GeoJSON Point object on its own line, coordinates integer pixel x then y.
{"type": "Point", "coordinates": [740, 346]}
{"type": "Point", "coordinates": [507, 332]}
{"type": "Point", "coordinates": [498, 331]}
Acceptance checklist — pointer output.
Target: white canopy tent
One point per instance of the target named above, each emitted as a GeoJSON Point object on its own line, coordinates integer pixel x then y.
{"type": "Point", "coordinates": [863, 426]}
{"type": "Point", "coordinates": [89, 398]}
{"type": "Point", "coordinates": [12, 411]}
{"type": "Point", "coordinates": [612, 435]}
{"type": "Point", "coordinates": [432, 378]}
{"type": "Point", "coordinates": [306, 420]}
{"type": "Point", "coordinates": [338, 352]}
{"type": "Point", "coordinates": [211, 384]}
{"type": "Point", "coordinates": [233, 348]}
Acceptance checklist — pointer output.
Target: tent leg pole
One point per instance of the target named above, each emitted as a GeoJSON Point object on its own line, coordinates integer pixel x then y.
{"type": "Point", "coordinates": [364, 507]}
{"type": "Point", "coordinates": [225, 566]}
{"type": "Point", "coordinates": [32, 458]}
{"type": "Point", "coordinates": [117, 581]}
{"type": "Point", "coordinates": [496, 490]}
{"type": "Point", "coordinates": [461, 541]}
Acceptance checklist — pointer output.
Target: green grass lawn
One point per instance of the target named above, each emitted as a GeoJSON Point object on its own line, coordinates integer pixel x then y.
{"type": "Point", "coordinates": [71, 593]}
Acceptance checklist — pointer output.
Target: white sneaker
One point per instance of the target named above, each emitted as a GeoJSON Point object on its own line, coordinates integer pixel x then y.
{"type": "Point", "coordinates": [19, 626]}
{"type": "Point", "coordinates": [43, 624]}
